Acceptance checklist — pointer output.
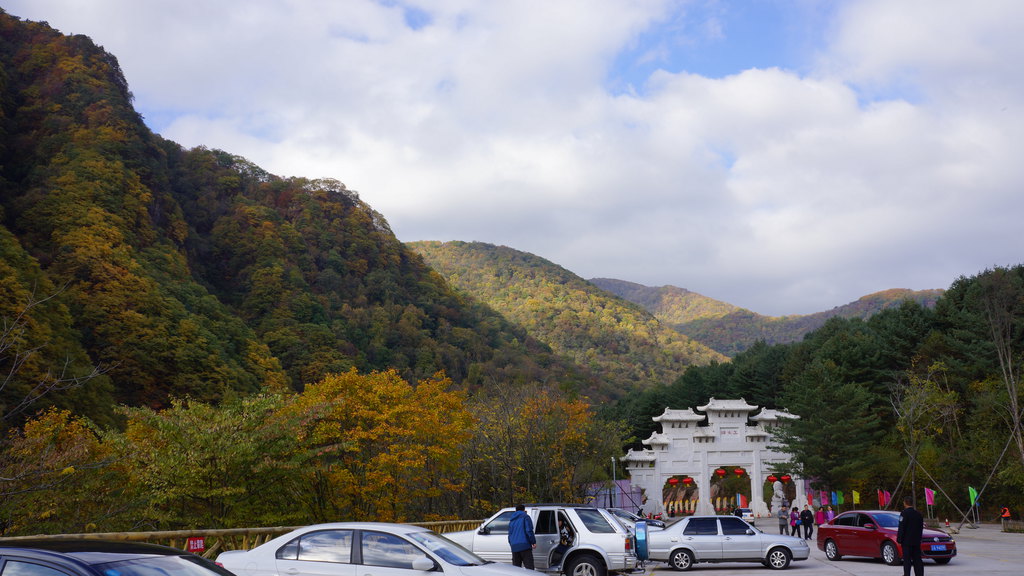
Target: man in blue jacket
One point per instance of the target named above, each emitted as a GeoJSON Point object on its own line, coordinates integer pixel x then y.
{"type": "Point", "coordinates": [521, 538]}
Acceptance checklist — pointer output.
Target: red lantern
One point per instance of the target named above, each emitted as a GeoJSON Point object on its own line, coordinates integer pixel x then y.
{"type": "Point", "coordinates": [738, 472]}
{"type": "Point", "coordinates": [772, 478]}
{"type": "Point", "coordinates": [786, 478]}
{"type": "Point", "coordinates": [720, 472]}
{"type": "Point", "coordinates": [673, 481]}
{"type": "Point", "coordinates": [687, 481]}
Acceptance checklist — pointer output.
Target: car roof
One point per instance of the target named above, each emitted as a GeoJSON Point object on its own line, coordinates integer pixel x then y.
{"type": "Point", "coordinates": [71, 546]}
{"type": "Point", "coordinates": [87, 551]}
{"type": "Point", "coordinates": [366, 526]}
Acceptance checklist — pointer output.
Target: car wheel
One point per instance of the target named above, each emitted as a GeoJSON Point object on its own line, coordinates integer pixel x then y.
{"type": "Point", "coordinates": [832, 551]}
{"type": "Point", "coordinates": [586, 565]}
{"type": "Point", "coordinates": [942, 560]}
{"type": "Point", "coordinates": [681, 560]}
{"type": "Point", "coordinates": [889, 554]}
{"type": "Point", "coordinates": [778, 559]}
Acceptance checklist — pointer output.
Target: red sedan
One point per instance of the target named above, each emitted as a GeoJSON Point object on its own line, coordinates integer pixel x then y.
{"type": "Point", "coordinates": [872, 533]}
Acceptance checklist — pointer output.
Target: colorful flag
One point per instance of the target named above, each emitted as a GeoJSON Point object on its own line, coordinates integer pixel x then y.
{"type": "Point", "coordinates": [856, 497]}
{"type": "Point", "coordinates": [973, 493]}
{"type": "Point", "coordinates": [839, 498]}
{"type": "Point", "coordinates": [835, 499]}
{"type": "Point", "coordinates": [881, 499]}
{"type": "Point", "coordinates": [929, 497]}
{"type": "Point", "coordinates": [824, 498]}
{"type": "Point", "coordinates": [888, 498]}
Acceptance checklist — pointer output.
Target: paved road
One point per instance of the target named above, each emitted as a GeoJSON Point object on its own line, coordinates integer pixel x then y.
{"type": "Point", "coordinates": [984, 551]}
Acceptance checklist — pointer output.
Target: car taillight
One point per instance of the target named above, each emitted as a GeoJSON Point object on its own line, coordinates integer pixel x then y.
{"type": "Point", "coordinates": [629, 543]}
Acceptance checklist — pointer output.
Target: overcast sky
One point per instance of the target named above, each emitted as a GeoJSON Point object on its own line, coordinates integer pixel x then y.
{"type": "Point", "coordinates": [784, 156]}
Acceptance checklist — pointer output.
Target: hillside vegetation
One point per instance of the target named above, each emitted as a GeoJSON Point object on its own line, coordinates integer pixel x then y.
{"type": "Point", "coordinates": [178, 272]}
{"type": "Point", "coordinates": [729, 329]}
{"type": "Point", "coordinates": [612, 337]}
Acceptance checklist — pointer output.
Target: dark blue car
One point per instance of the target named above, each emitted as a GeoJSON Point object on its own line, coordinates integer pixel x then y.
{"type": "Point", "coordinates": [44, 557]}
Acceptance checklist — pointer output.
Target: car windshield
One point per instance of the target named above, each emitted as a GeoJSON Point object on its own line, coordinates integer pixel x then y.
{"type": "Point", "coordinates": [161, 566]}
{"type": "Point", "coordinates": [887, 519]}
{"type": "Point", "coordinates": [445, 549]}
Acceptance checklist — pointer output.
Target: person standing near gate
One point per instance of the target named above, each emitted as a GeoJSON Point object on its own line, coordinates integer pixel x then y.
{"type": "Point", "coordinates": [521, 538]}
{"type": "Point", "coordinates": [807, 520]}
{"type": "Point", "coordinates": [909, 537]}
{"type": "Point", "coordinates": [783, 517]}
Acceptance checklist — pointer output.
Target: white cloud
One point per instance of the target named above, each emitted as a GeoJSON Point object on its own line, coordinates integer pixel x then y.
{"type": "Point", "coordinates": [888, 166]}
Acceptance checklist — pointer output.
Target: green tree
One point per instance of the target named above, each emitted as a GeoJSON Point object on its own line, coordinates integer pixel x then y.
{"type": "Point", "coordinates": [832, 441]}
{"type": "Point", "coordinates": [195, 465]}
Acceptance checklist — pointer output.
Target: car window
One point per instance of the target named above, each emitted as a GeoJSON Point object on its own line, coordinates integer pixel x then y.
{"type": "Point", "coordinates": [846, 520]}
{"type": "Point", "coordinates": [499, 525]}
{"type": "Point", "coordinates": [546, 523]}
{"type": "Point", "coordinates": [701, 527]}
{"type": "Point", "coordinates": [388, 550]}
{"type": "Point", "coordinates": [733, 526]}
{"type": "Point", "coordinates": [888, 519]}
{"type": "Point", "coordinates": [162, 566]}
{"type": "Point", "coordinates": [449, 551]}
{"type": "Point", "coordinates": [863, 520]}
{"type": "Point", "coordinates": [322, 546]}
{"type": "Point", "coordinates": [595, 521]}
{"type": "Point", "coordinates": [16, 568]}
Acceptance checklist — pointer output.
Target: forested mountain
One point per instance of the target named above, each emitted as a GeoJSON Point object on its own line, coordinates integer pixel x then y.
{"type": "Point", "coordinates": [730, 329]}
{"type": "Point", "coordinates": [194, 272]}
{"type": "Point", "coordinates": [613, 337]}
{"type": "Point", "coordinates": [912, 388]}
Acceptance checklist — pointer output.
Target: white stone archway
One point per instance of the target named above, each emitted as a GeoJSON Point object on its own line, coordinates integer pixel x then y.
{"type": "Point", "coordinates": [725, 433]}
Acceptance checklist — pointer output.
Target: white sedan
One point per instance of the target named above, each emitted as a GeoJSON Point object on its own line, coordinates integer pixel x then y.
{"type": "Point", "coordinates": [698, 539]}
{"type": "Point", "coordinates": [366, 548]}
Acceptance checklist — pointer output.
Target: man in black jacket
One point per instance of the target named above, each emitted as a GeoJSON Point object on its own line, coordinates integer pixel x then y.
{"type": "Point", "coordinates": [909, 537]}
{"type": "Point", "coordinates": [807, 521]}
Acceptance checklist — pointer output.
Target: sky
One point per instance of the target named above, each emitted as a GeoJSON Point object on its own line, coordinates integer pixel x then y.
{"type": "Point", "coordinates": [783, 156]}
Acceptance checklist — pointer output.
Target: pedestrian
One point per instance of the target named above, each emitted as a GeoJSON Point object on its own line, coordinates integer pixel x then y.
{"type": "Point", "coordinates": [566, 536]}
{"type": "Point", "coordinates": [1004, 517]}
{"type": "Point", "coordinates": [909, 537]}
{"type": "Point", "coordinates": [521, 538]}
{"type": "Point", "coordinates": [783, 517]}
{"type": "Point", "coordinates": [794, 521]}
{"type": "Point", "coordinates": [807, 520]}
{"type": "Point", "coordinates": [819, 516]}
{"type": "Point", "coordinates": [829, 514]}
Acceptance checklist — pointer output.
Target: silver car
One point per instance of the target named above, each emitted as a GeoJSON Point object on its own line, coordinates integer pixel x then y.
{"type": "Point", "coordinates": [356, 548]}
{"type": "Point", "coordinates": [722, 539]}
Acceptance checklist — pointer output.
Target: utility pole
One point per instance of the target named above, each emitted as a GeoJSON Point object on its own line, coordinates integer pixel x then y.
{"type": "Point", "coordinates": [615, 485]}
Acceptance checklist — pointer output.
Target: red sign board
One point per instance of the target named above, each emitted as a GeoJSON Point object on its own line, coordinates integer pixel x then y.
{"type": "Point", "coordinates": [196, 544]}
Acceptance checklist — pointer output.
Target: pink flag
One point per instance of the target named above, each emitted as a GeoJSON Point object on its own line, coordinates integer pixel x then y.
{"type": "Point", "coordinates": [824, 498]}
{"type": "Point", "coordinates": [888, 497]}
{"type": "Point", "coordinates": [929, 496]}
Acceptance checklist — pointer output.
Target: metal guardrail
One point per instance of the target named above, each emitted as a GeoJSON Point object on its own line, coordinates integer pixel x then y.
{"type": "Point", "coordinates": [216, 541]}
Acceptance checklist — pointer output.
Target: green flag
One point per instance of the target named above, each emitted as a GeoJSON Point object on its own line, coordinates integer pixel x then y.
{"type": "Point", "coordinates": [973, 493]}
{"type": "Point", "coordinates": [839, 497]}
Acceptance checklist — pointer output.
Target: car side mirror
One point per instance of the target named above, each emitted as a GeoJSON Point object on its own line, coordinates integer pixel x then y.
{"type": "Point", "coordinates": [423, 564]}
{"type": "Point", "coordinates": [750, 532]}
{"type": "Point", "coordinates": [870, 526]}
{"type": "Point", "coordinates": [484, 530]}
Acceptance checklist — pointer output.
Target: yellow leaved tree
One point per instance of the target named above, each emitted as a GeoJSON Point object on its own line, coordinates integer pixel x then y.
{"type": "Point", "coordinates": [385, 449]}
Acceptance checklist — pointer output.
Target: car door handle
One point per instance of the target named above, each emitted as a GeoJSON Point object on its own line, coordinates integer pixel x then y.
{"type": "Point", "coordinates": [292, 571]}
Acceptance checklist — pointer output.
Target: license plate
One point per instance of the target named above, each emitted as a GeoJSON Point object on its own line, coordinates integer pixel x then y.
{"type": "Point", "coordinates": [938, 547]}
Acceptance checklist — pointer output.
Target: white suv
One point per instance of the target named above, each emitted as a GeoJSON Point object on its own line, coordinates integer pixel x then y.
{"type": "Point", "coordinates": [601, 544]}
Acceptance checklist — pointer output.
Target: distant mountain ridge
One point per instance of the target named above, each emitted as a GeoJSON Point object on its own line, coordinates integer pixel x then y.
{"type": "Point", "coordinates": [609, 335]}
{"type": "Point", "coordinates": [730, 329]}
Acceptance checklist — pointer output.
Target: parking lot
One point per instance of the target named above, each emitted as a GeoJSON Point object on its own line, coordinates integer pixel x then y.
{"type": "Point", "coordinates": [984, 550]}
